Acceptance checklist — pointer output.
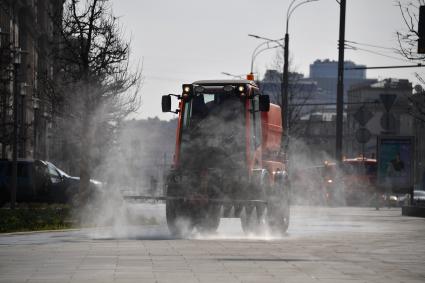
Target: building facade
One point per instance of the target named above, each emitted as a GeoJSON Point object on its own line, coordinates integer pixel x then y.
{"type": "Point", "coordinates": [418, 113]}
{"type": "Point", "coordinates": [27, 32]}
{"type": "Point", "coordinates": [368, 97]}
{"type": "Point", "coordinates": [325, 73]}
{"type": "Point", "coordinates": [304, 94]}
{"type": "Point", "coordinates": [312, 101]}
{"type": "Point", "coordinates": [408, 121]}
{"type": "Point", "coordinates": [317, 131]}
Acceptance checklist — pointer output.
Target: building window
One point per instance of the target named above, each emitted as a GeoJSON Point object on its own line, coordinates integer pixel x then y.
{"type": "Point", "coordinates": [51, 72]}
{"type": "Point", "coordinates": [15, 32]}
{"type": "Point", "coordinates": [35, 68]}
{"type": "Point", "coordinates": [35, 5]}
{"type": "Point", "coordinates": [50, 21]}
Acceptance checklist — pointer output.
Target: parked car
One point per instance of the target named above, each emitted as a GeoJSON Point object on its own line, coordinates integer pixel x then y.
{"type": "Point", "coordinates": [39, 181]}
{"type": "Point", "coordinates": [418, 198]}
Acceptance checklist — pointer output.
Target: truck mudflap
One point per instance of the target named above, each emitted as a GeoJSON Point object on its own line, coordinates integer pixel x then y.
{"type": "Point", "coordinates": [195, 199]}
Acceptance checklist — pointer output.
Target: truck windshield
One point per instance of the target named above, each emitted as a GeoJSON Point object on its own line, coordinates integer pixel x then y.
{"type": "Point", "coordinates": [205, 106]}
{"type": "Point", "coordinates": [213, 129]}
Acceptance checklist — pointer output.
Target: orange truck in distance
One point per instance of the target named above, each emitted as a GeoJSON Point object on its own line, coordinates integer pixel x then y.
{"type": "Point", "coordinates": [356, 183]}
{"type": "Point", "coordinates": [227, 160]}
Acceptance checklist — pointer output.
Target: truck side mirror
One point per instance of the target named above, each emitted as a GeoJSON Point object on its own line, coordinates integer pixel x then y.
{"type": "Point", "coordinates": [166, 103]}
{"type": "Point", "coordinates": [264, 103]}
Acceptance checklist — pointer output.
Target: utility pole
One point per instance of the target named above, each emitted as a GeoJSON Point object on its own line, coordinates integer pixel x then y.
{"type": "Point", "coordinates": [340, 86]}
{"type": "Point", "coordinates": [284, 87]}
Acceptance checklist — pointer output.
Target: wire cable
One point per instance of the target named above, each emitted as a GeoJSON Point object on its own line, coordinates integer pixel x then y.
{"type": "Point", "coordinates": [377, 53]}
{"type": "Point", "coordinates": [371, 45]}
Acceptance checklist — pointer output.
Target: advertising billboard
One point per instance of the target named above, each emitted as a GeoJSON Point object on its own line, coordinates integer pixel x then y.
{"type": "Point", "coordinates": [396, 163]}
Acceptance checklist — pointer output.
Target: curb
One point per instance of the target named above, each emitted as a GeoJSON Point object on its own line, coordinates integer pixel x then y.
{"type": "Point", "coordinates": [38, 231]}
{"type": "Point", "coordinates": [416, 211]}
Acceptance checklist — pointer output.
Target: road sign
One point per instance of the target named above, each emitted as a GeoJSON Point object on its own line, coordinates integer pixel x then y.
{"type": "Point", "coordinates": [388, 100]}
{"type": "Point", "coordinates": [363, 135]}
{"type": "Point", "coordinates": [388, 122]}
{"type": "Point", "coordinates": [396, 163]}
{"type": "Point", "coordinates": [362, 116]}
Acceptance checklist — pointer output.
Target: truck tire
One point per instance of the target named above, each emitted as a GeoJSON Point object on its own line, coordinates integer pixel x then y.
{"type": "Point", "coordinates": [179, 219]}
{"type": "Point", "coordinates": [252, 218]}
{"type": "Point", "coordinates": [278, 211]}
{"type": "Point", "coordinates": [209, 220]}
{"type": "Point", "coordinates": [278, 204]}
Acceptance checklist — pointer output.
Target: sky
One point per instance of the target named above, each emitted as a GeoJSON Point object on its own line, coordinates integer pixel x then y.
{"type": "Point", "coordinates": [187, 40]}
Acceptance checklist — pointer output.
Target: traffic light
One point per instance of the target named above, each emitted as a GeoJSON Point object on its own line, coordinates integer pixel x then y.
{"type": "Point", "coordinates": [421, 30]}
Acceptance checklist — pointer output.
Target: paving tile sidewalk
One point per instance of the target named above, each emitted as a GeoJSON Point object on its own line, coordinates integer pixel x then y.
{"type": "Point", "coordinates": [323, 245]}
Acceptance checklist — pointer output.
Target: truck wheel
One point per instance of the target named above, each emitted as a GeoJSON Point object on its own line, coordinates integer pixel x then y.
{"type": "Point", "coordinates": [252, 219]}
{"type": "Point", "coordinates": [209, 220]}
{"type": "Point", "coordinates": [278, 211]}
{"type": "Point", "coordinates": [179, 219]}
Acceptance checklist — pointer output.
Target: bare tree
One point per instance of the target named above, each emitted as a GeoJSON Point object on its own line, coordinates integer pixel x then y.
{"type": "Point", "coordinates": [299, 94]}
{"type": "Point", "coordinates": [94, 88]}
{"type": "Point", "coordinates": [408, 40]}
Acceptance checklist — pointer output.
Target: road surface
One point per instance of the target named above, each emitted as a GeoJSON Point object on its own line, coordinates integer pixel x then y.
{"type": "Point", "coordinates": [322, 245]}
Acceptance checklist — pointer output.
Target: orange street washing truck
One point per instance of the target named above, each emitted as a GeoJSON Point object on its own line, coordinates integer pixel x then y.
{"type": "Point", "coordinates": [358, 177]}
{"type": "Point", "coordinates": [227, 160]}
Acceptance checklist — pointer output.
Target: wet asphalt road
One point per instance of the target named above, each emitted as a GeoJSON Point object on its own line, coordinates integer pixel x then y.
{"type": "Point", "coordinates": [322, 245]}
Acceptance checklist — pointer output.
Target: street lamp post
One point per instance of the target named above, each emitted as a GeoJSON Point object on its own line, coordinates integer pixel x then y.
{"type": "Point", "coordinates": [257, 49]}
{"type": "Point", "coordinates": [35, 107]}
{"type": "Point", "coordinates": [285, 75]}
{"type": "Point", "coordinates": [340, 85]}
{"type": "Point", "coordinates": [22, 128]}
